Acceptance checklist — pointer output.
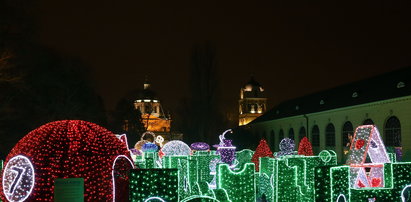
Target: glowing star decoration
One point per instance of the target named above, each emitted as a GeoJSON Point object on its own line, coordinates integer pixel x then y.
{"type": "Point", "coordinates": [69, 149]}
{"type": "Point", "coordinates": [286, 147]}
{"type": "Point", "coordinates": [367, 140]}
{"type": "Point", "coordinates": [176, 148]}
{"type": "Point", "coordinates": [18, 178]}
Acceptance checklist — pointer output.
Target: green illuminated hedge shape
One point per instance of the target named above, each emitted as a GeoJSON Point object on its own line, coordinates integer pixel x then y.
{"type": "Point", "coordinates": [146, 183]}
{"type": "Point", "coordinates": [240, 185]}
{"type": "Point", "coordinates": [333, 183]}
{"type": "Point", "coordinates": [291, 178]}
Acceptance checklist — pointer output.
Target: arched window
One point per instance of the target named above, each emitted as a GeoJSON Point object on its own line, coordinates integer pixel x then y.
{"type": "Point", "coordinates": [392, 132]}
{"type": "Point", "coordinates": [315, 133]}
{"type": "Point", "coordinates": [347, 134]}
{"type": "Point", "coordinates": [272, 136]}
{"type": "Point", "coordinates": [330, 135]}
{"type": "Point", "coordinates": [291, 134]}
{"type": "Point", "coordinates": [301, 133]}
{"type": "Point", "coordinates": [368, 122]}
{"type": "Point", "coordinates": [281, 135]}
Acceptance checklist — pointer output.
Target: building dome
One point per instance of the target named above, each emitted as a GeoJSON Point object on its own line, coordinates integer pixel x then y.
{"type": "Point", "coordinates": [146, 93]}
{"type": "Point", "coordinates": [252, 89]}
{"type": "Point", "coordinates": [253, 85]}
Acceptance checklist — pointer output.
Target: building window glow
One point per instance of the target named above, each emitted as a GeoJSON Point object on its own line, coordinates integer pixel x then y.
{"type": "Point", "coordinates": [291, 133]}
{"type": "Point", "coordinates": [315, 132]}
{"type": "Point", "coordinates": [330, 135]}
{"type": "Point", "coordinates": [392, 132]}
{"type": "Point", "coordinates": [302, 133]}
{"type": "Point", "coordinates": [368, 122]}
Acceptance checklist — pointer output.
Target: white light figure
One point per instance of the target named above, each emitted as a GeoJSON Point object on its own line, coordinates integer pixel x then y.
{"type": "Point", "coordinates": [367, 140]}
{"type": "Point", "coordinates": [18, 178]}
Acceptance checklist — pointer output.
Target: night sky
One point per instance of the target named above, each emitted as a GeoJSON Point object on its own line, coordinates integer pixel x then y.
{"type": "Point", "coordinates": [292, 48]}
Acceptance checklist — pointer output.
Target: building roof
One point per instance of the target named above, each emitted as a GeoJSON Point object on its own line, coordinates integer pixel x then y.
{"type": "Point", "coordinates": [390, 85]}
{"type": "Point", "coordinates": [253, 89]}
{"type": "Point", "coordinates": [146, 93]}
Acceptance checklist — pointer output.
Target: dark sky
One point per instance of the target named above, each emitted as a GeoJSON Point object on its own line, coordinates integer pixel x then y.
{"type": "Point", "coordinates": [293, 48]}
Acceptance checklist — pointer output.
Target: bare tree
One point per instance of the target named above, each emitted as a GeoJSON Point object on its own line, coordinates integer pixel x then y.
{"type": "Point", "coordinates": [201, 117]}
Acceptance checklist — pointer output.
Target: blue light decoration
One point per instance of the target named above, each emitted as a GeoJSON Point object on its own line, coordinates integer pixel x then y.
{"type": "Point", "coordinates": [149, 147]}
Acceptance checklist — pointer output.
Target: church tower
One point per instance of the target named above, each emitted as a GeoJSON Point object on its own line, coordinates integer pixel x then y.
{"type": "Point", "coordinates": [252, 103]}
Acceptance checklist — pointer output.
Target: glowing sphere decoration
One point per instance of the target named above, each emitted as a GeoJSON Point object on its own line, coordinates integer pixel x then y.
{"type": "Point", "coordinates": [176, 148]}
{"type": "Point", "coordinates": [66, 149]}
{"type": "Point", "coordinates": [286, 147]}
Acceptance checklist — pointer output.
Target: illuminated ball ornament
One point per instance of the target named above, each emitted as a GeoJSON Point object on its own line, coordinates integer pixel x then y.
{"type": "Point", "coordinates": [66, 149]}
{"type": "Point", "coordinates": [176, 148]}
{"type": "Point", "coordinates": [286, 147]}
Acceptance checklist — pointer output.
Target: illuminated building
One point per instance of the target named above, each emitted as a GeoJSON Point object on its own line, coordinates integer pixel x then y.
{"type": "Point", "coordinates": [252, 103]}
{"type": "Point", "coordinates": [328, 118]}
{"type": "Point", "coordinates": [152, 114]}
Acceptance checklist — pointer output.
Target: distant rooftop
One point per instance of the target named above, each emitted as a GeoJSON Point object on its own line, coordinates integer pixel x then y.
{"type": "Point", "coordinates": [386, 86]}
{"type": "Point", "coordinates": [253, 89]}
